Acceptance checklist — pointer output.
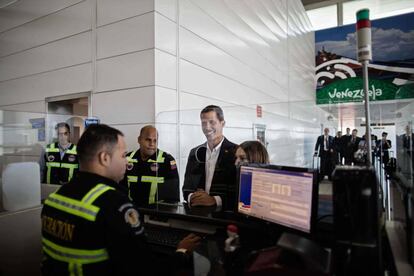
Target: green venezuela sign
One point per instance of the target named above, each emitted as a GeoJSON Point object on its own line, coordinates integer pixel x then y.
{"type": "Point", "coordinates": [351, 90]}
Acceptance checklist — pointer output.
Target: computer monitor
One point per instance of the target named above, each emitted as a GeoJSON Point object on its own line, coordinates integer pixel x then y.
{"type": "Point", "coordinates": [282, 195]}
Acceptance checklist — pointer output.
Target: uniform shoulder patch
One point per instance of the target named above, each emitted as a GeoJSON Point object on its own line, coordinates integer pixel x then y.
{"type": "Point", "coordinates": [173, 165]}
{"type": "Point", "coordinates": [132, 217]}
{"type": "Point", "coordinates": [72, 158]}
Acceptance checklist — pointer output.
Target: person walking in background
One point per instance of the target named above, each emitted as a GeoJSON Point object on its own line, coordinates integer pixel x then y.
{"type": "Point", "coordinates": [324, 148]}
{"type": "Point", "coordinates": [351, 147]}
{"type": "Point", "coordinates": [382, 147]}
{"type": "Point", "coordinates": [338, 148]}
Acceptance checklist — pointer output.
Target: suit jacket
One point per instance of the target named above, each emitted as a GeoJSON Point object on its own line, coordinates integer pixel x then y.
{"type": "Point", "coordinates": [320, 142]}
{"type": "Point", "coordinates": [350, 147]}
{"type": "Point", "coordinates": [383, 147]}
{"type": "Point", "coordinates": [224, 179]}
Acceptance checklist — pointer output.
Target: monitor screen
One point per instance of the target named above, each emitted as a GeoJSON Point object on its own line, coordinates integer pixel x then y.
{"type": "Point", "coordinates": [281, 195]}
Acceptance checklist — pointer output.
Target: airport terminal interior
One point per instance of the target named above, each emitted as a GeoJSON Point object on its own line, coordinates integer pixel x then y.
{"type": "Point", "coordinates": [260, 101]}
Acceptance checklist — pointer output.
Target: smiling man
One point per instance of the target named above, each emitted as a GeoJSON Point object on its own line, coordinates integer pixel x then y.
{"type": "Point", "coordinates": [151, 175]}
{"type": "Point", "coordinates": [210, 176]}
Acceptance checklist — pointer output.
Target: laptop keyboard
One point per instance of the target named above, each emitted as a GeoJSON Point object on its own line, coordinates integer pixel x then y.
{"type": "Point", "coordinates": [164, 236]}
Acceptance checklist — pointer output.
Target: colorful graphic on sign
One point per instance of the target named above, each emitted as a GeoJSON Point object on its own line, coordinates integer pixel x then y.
{"type": "Point", "coordinates": [391, 72]}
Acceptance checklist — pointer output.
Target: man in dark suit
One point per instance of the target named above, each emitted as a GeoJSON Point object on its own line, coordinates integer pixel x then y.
{"type": "Point", "coordinates": [407, 139]}
{"type": "Point", "coordinates": [338, 148]}
{"type": "Point", "coordinates": [383, 146]}
{"type": "Point", "coordinates": [325, 144]}
{"type": "Point", "coordinates": [210, 176]}
{"type": "Point", "coordinates": [344, 142]}
{"type": "Point", "coordinates": [408, 145]}
{"type": "Point", "coordinates": [351, 147]}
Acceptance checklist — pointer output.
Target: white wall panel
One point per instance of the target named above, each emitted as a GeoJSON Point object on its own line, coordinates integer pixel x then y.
{"type": "Point", "coordinates": [165, 34]}
{"type": "Point", "coordinates": [24, 11]}
{"type": "Point", "coordinates": [234, 37]}
{"type": "Point", "coordinates": [165, 69]}
{"type": "Point", "coordinates": [126, 36]}
{"type": "Point", "coordinates": [126, 71]}
{"type": "Point", "coordinates": [109, 11]}
{"type": "Point", "coordinates": [202, 53]}
{"type": "Point", "coordinates": [168, 8]}
{"type": "Point", "coordinates": [37, 106]}
{"type": "Point", "coordinates": [191, 105]}
{"type": "Point", "coordinates": [66, 22]}
{"type": "Point", "coordinates": [166, 105]}
{"type": "Point", "coordinates": [130, 106]}
{"type": "Point", "coordinates": [201, 81]}
{"type": "Point", "coordinates": [37, 87]}
{"type": "Point", "coordinates": [131, 133]}
{"type": "Point", "coordinates": [66, 52]}
{"type": "Point", "coordinates": [167, 139]}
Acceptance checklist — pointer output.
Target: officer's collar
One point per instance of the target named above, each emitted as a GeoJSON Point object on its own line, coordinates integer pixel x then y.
{"type": "Point", "coordinates": [88, 177]}
{"type": "Point", "coordinates": [152, 157]}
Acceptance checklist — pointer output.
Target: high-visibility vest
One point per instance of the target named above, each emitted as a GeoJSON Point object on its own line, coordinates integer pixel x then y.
{"type": "Point", "coordinates": [58, 170]}
{"type": "Point", "coordinates": [85, 213]}
{"type": "Point", "coordinates": [153, 180]}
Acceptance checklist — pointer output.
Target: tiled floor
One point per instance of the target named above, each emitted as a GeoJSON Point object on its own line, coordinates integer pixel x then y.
{"type": "Point", "coordinates": [325, 187]}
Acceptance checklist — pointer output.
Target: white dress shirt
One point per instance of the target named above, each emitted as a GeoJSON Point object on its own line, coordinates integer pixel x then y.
{"type": "Point", "coordinates": [210, 165]}
{"type": "Point", "coordinates": [211, 160]}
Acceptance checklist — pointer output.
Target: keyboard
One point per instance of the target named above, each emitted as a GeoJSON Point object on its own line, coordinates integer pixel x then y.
{"type": "Point", "coordinates": [164, 236]}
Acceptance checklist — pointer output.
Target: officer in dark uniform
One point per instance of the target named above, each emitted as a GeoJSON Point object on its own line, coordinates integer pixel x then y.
{"type": "Point", "coordinates": [151, 174]}
{"type": "Point", "coordinates": [59, 162]}
{"type": "Point", "coordinates": [89, 226]}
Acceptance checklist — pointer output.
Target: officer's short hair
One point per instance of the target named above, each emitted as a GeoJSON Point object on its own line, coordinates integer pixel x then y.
{"type": "Point", "coordinates": [63, 124]}
{"type": "Point", "coordinates": [145, 128]}
{"type": "Point", "coordinates": [215, 108]}
{"type": "Point", "coordinates": [94, 139]}
{"type": "Point", "coordinates": [384, 133]}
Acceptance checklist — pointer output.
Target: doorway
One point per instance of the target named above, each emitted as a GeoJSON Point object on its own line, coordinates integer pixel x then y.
{"type": "Point", "coordinates": [71, 109]}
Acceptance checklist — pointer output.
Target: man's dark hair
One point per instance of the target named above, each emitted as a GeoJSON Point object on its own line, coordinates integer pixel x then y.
{"type": "Point", "coordinates": [94, 139]}
{"type": "Point", "coordinates": [215, 108]}
{"type": "Point", "coordinates": [65, 125]}
{"type": "Point", "coordinates": [384, 133]}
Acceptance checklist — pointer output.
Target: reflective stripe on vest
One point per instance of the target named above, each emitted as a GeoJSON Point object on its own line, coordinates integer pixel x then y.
{"type": "Point", "coordinates": [82, 208]}
{"type": "Point", "coordinates": [149, 179]}
{"type": "Point", "coordinates": [160, 159]}
{"type": "Point", "coordinates": [49, 165]}
{"type": "Point", "coordinates": [72, 151]}
{"type": "Point", "coordinates": [67, 254]}
{"type": "Point", "coordinates": [130, 159]}
{"type": "Point", "coordinates": [154, 180]}
{"type": "Point", "coordinates": [52, 148]}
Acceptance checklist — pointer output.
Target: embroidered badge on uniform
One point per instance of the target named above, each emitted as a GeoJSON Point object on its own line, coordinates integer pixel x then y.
{"type": "Point", "coordinates": [173, 165]}
{"type": "Point", "coordinates": [130, 166]}
{"type": "Point", "coordinates": [71, 158]}
{"type": "Point", "coordinates": [132, 217]}
{"type": "Point", "coordinates": [50, 158]}
{"type": "Point", "coordinates": [154, 167]}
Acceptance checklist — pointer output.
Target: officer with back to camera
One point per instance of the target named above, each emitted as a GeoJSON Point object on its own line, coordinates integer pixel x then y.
{"type": "Point", "coordinates": [89, 226]}
{"type": "Point", "coordinates": [59, 161]}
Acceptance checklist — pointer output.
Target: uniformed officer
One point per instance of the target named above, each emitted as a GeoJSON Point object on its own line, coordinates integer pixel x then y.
{"type": "Point", "coordinates": [59, 161]}
{"type": "Point", "coordinates": [89, 226]}
{"type": "Point", "coordinates": [151, 175]}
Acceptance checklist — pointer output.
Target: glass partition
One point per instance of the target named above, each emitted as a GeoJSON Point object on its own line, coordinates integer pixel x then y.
{"type": "Point", "coordinates": [23, 138]}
